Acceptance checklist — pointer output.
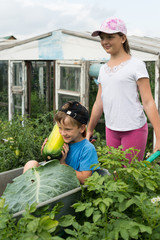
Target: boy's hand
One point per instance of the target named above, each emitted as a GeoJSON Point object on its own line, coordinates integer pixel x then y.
{"type": "Point", "coordinates": [64, 153]}
{"type": "Point", "coordinates": [44, 143]}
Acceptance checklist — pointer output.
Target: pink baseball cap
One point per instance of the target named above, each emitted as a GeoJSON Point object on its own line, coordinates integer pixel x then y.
{"type": "Point", "coordinates": [111, 25]}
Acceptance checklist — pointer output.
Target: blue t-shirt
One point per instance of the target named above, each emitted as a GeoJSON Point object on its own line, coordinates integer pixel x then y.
{"type": "Point", "coordinates": [82, 155]}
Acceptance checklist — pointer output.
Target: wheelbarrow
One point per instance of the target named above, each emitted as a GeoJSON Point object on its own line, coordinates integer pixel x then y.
{"type": "Point", "coordinates": [67, 198]}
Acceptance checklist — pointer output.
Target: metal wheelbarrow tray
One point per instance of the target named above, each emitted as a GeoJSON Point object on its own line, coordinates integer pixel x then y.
{"type": "Point", "coordinates": [67, 198]}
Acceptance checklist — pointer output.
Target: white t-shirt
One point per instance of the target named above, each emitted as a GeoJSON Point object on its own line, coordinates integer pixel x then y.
{"type": "Point", "coordinates": [121, 105]}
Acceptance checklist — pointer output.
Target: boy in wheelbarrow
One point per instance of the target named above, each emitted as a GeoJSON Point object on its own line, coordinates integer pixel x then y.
{"type": "Point", "coordinates": [77, 152]}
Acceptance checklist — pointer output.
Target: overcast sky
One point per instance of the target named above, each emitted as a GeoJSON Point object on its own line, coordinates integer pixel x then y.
{"type": "Point", "coordinates": [28, 18]}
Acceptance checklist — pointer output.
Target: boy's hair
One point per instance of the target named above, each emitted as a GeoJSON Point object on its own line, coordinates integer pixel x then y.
{"type": "Point", "coordinates": [78, 114]}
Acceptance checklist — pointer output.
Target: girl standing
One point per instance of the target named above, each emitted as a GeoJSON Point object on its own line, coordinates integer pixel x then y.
{"type": "Point", "coordinates": [120, 82]}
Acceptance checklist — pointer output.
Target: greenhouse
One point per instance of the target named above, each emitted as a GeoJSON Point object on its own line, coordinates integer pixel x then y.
{"type": "Point", "coordinates": [41, 73]}
{"type": "Point", "coordinates": [52, 68]}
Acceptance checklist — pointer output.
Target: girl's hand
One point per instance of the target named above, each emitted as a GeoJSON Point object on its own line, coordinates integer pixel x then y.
{"type": "Point", "coordinates": [89, 135]}
{"type": "Point", "coordinates": [157, 147]}
{"type": "Point", "coordinates": [44, 143]}
{"type": "Point", "coordinates": [64, 153]}
{"type": "Point", "coordinates": [93, 139]}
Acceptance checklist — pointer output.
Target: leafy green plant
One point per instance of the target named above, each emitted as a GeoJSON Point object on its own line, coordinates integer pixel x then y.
{"type": "Point", "coordinates": [21, 140]}
{"type": "Point", "coordinates": [38, 104]}
{"type": "Point", "coordinates": [123, 205]}
{"type": "Point", "coordinates": [39, 184]}
{"type": "Point", "coordinates": [33, 225]}
{"type": "Point", "coordinates": [100, 142]}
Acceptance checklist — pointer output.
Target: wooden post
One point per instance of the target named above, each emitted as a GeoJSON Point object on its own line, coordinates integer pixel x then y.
{"type": "Point", "coordinates": [157, 89]}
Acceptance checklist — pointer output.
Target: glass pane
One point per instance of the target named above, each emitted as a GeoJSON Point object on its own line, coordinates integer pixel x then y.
{"type": "Point", "coordinates": [70, 78]}
{"type": "Point", "coordinates": [3, 90]}
{"type": "Point", "coordinates": [17, 103]}
{"type": "Point", "coordinates": [41, 87]}
{"type": "Point", "coordinates": [62, 99]}
{"type": "Point", "coordinates": [17, 74]}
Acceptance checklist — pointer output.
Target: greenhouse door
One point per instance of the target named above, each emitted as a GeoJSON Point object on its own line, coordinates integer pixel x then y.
{"type": "Point", "coordinates": [16, 88]}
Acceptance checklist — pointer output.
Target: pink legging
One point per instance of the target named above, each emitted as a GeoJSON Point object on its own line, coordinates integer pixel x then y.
{"type": "Point", "coordinates": [134, 138]}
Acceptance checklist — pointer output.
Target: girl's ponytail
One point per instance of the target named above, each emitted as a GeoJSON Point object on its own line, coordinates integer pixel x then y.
{"type": "Point", "coordinates": [125, 44]}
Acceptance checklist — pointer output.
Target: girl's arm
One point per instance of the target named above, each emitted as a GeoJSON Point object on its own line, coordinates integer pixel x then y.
{"type": "Point", "coordinates": [150, 108]}
{"type": "Point", "coordinates": [96, 113]}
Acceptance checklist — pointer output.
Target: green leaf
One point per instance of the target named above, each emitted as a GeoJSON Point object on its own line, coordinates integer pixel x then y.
{"type": "Point", "coordinates": [46, 223]}
{"type": "Point", "coordinates": [107, 201]}
{"type": "Point", "coordinates": [133, 231]}
{"type": "Point", "coordinates": [70, 232]}
{"type": "Point", "coordinates": [119, 215]}
{"type": "Point", "coordinates": [40, 184]}
{"type": "Point", "coordinates": [45, 235]}
{"type": "Point", "coordinates": [136, 174]}
{"type": "Point", "coordinates": [116, 234]}
{"type": "Point", "coordinates": [33, 207]}
{"type": "Point", "coordinates": [125, 204]}
{"type": "Point", "coordinates": [89, 211]}
{"type": "Point", "coordinates": [75, 205]}
{"type": "Point", "coordinates": [102, 207]}
{"type": "Point", "coordinates": [96, 217]}
{"type": "Point", "coordinates": [57, 207]}
{"type": "Point", "coordinates": [121, 197]}
{"type": "Point", "coordinates": [97, 201]}
{"type": "Point", "coordinates": [66, 220]}
{"type": "Point", "coordinates": [2, 202]}
{"type": "Point", "coordinates": [76, 225]}
{"type": "Point", "coordinates": [144, 228]}
{"type": "Point", "coordinates": [28, 236]}
{"type": "Point", "coordinates": [141, 182]}
{"type": "Point", "coordinates": [33, 225]}
{"type": "Point", "coordinates": [57, 238]}
{"type": "Point", "coordinates": [81, 207]}
{"type": "Point", "coordinates": [150, 185]}
{"type": "Point", "coordinates": [124, 233]}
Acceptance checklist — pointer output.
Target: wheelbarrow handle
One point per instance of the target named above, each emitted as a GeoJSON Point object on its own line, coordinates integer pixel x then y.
{"type": "Point", "coordinates": [153, 156]}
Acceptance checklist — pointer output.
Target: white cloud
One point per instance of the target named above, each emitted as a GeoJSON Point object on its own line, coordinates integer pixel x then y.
{"type": "Point", "coordinates": [34, 17]}
{"type": "Point", "coordinates": [64, 7]}
{"type": "Point", "coordinates": [39, 16]}
{"type": "Point", "coordinates": [136, 32]}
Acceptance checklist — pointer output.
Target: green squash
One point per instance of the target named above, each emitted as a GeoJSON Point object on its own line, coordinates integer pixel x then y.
{"type": "Point", "coordinates": [54, 145]}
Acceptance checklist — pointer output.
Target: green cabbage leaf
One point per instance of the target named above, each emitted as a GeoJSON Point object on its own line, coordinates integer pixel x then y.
{"type": "Point", "coordinates": [39, 184]}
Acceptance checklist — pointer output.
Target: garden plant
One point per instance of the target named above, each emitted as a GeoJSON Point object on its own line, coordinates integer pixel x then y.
{"type": "Point", "coordinates": [122, 205]}
{"type": "Point", "coordinates": [21, 139]}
